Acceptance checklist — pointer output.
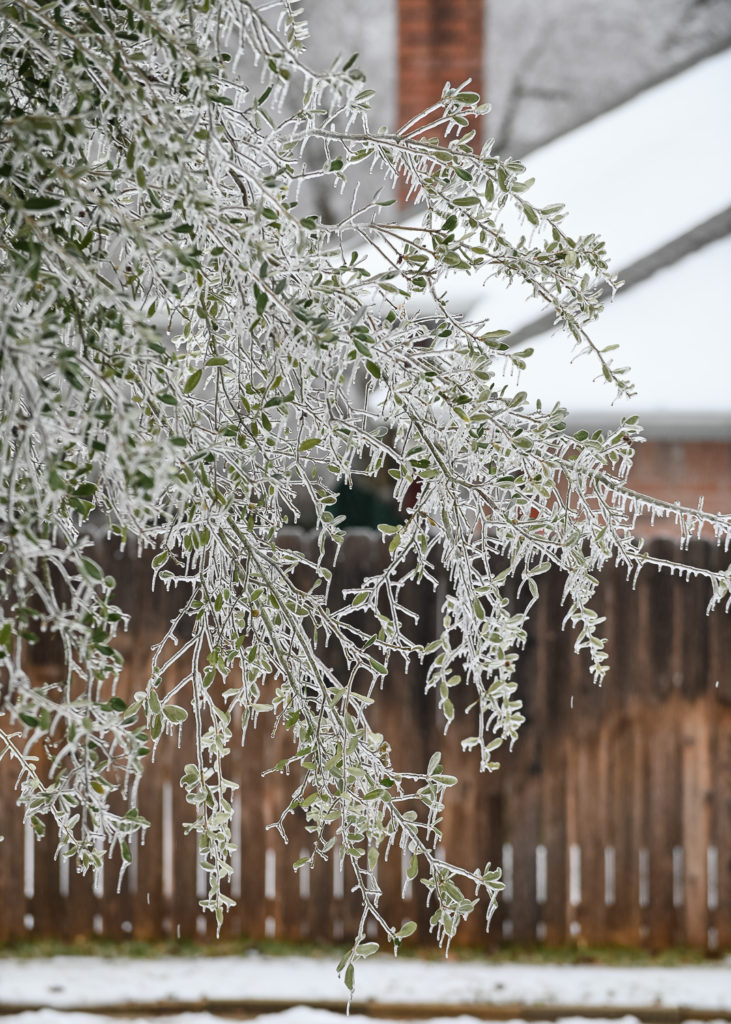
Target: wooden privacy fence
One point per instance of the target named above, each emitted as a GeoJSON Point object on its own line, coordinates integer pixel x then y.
{"type": "Point", "coordinates": [611, 817]}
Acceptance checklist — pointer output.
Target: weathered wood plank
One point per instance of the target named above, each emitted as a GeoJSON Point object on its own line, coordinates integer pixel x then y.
{"type": "Point", "coordinates": [696, 809]}
{"type": "Point", "coordinates": [12, 898]}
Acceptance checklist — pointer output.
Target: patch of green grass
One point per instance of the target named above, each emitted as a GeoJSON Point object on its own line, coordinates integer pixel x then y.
{"type": "Point", "coordinates": [571, 954]}
{"type": "Point", "coordinates": [109, 948]}
{"type": "Point", "coordinates": [624, 956]}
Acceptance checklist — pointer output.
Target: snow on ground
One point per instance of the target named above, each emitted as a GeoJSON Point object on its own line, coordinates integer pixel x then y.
{"type": "Point", "coordinates": [76, 982]}
{"type": "Point", "coordinates": [297, 1015]}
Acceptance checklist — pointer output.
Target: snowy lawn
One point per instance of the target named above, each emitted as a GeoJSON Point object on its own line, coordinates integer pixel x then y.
{"type": "Point", "coordinates": [65, 983]}
{"type": "Point", "coordinates": [297, 1015]}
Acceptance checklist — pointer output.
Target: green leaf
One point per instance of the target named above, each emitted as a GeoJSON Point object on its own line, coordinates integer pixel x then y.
{"type": "Point", "coordinates": [6, 636]}
{"type": "Point", "coordinates": [361, 346]}
{"type": "Point", "coordinates": [192, 381]}
{"type": "Point", "coordinates": [114, 704]}
{"type": "Point", "coordinates": [413, 869]}
{"type": "Point", "coordinates": [91, 570]}
{"type": "Point", "coordinates": [41, 203]}
{"type": "Point", "coordinates": [406, 929]}
{"type": "Point", "coordinates": [175, 714]}
{"type": "Point", "coordinates": [261, 299]}
{"type": "Point", "coordinates": [374, 370]}
{"type": "Point", "coordinates": [311, 442]}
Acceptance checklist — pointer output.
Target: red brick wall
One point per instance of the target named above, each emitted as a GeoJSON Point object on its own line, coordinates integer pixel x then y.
{"type": "Point", "coordinates": [683, 471]}
{"type": "Point", "coordinates": [439, 41]}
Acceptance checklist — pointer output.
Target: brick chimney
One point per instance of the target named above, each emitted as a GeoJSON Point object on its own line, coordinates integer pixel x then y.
{"type": "Point", "coordinates": [438, 41]}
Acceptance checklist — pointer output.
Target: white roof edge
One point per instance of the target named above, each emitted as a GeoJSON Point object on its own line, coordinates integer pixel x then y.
{"type": "Point", "coordinates": [659, 426]}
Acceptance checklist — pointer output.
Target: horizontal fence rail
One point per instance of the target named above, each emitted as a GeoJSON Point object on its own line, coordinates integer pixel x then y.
{"type": "Point", "coordinates": [611, 817]}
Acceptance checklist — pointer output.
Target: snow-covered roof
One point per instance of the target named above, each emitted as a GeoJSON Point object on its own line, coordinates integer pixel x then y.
{"type": "Point", "coordinates": [643, 176]}
{"type": "Point", "coordinates": [649, 170]}
{"type": "Point", "coordinates": [674, 331]}
{"type": "Point", "coordinates": [634, 177]}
